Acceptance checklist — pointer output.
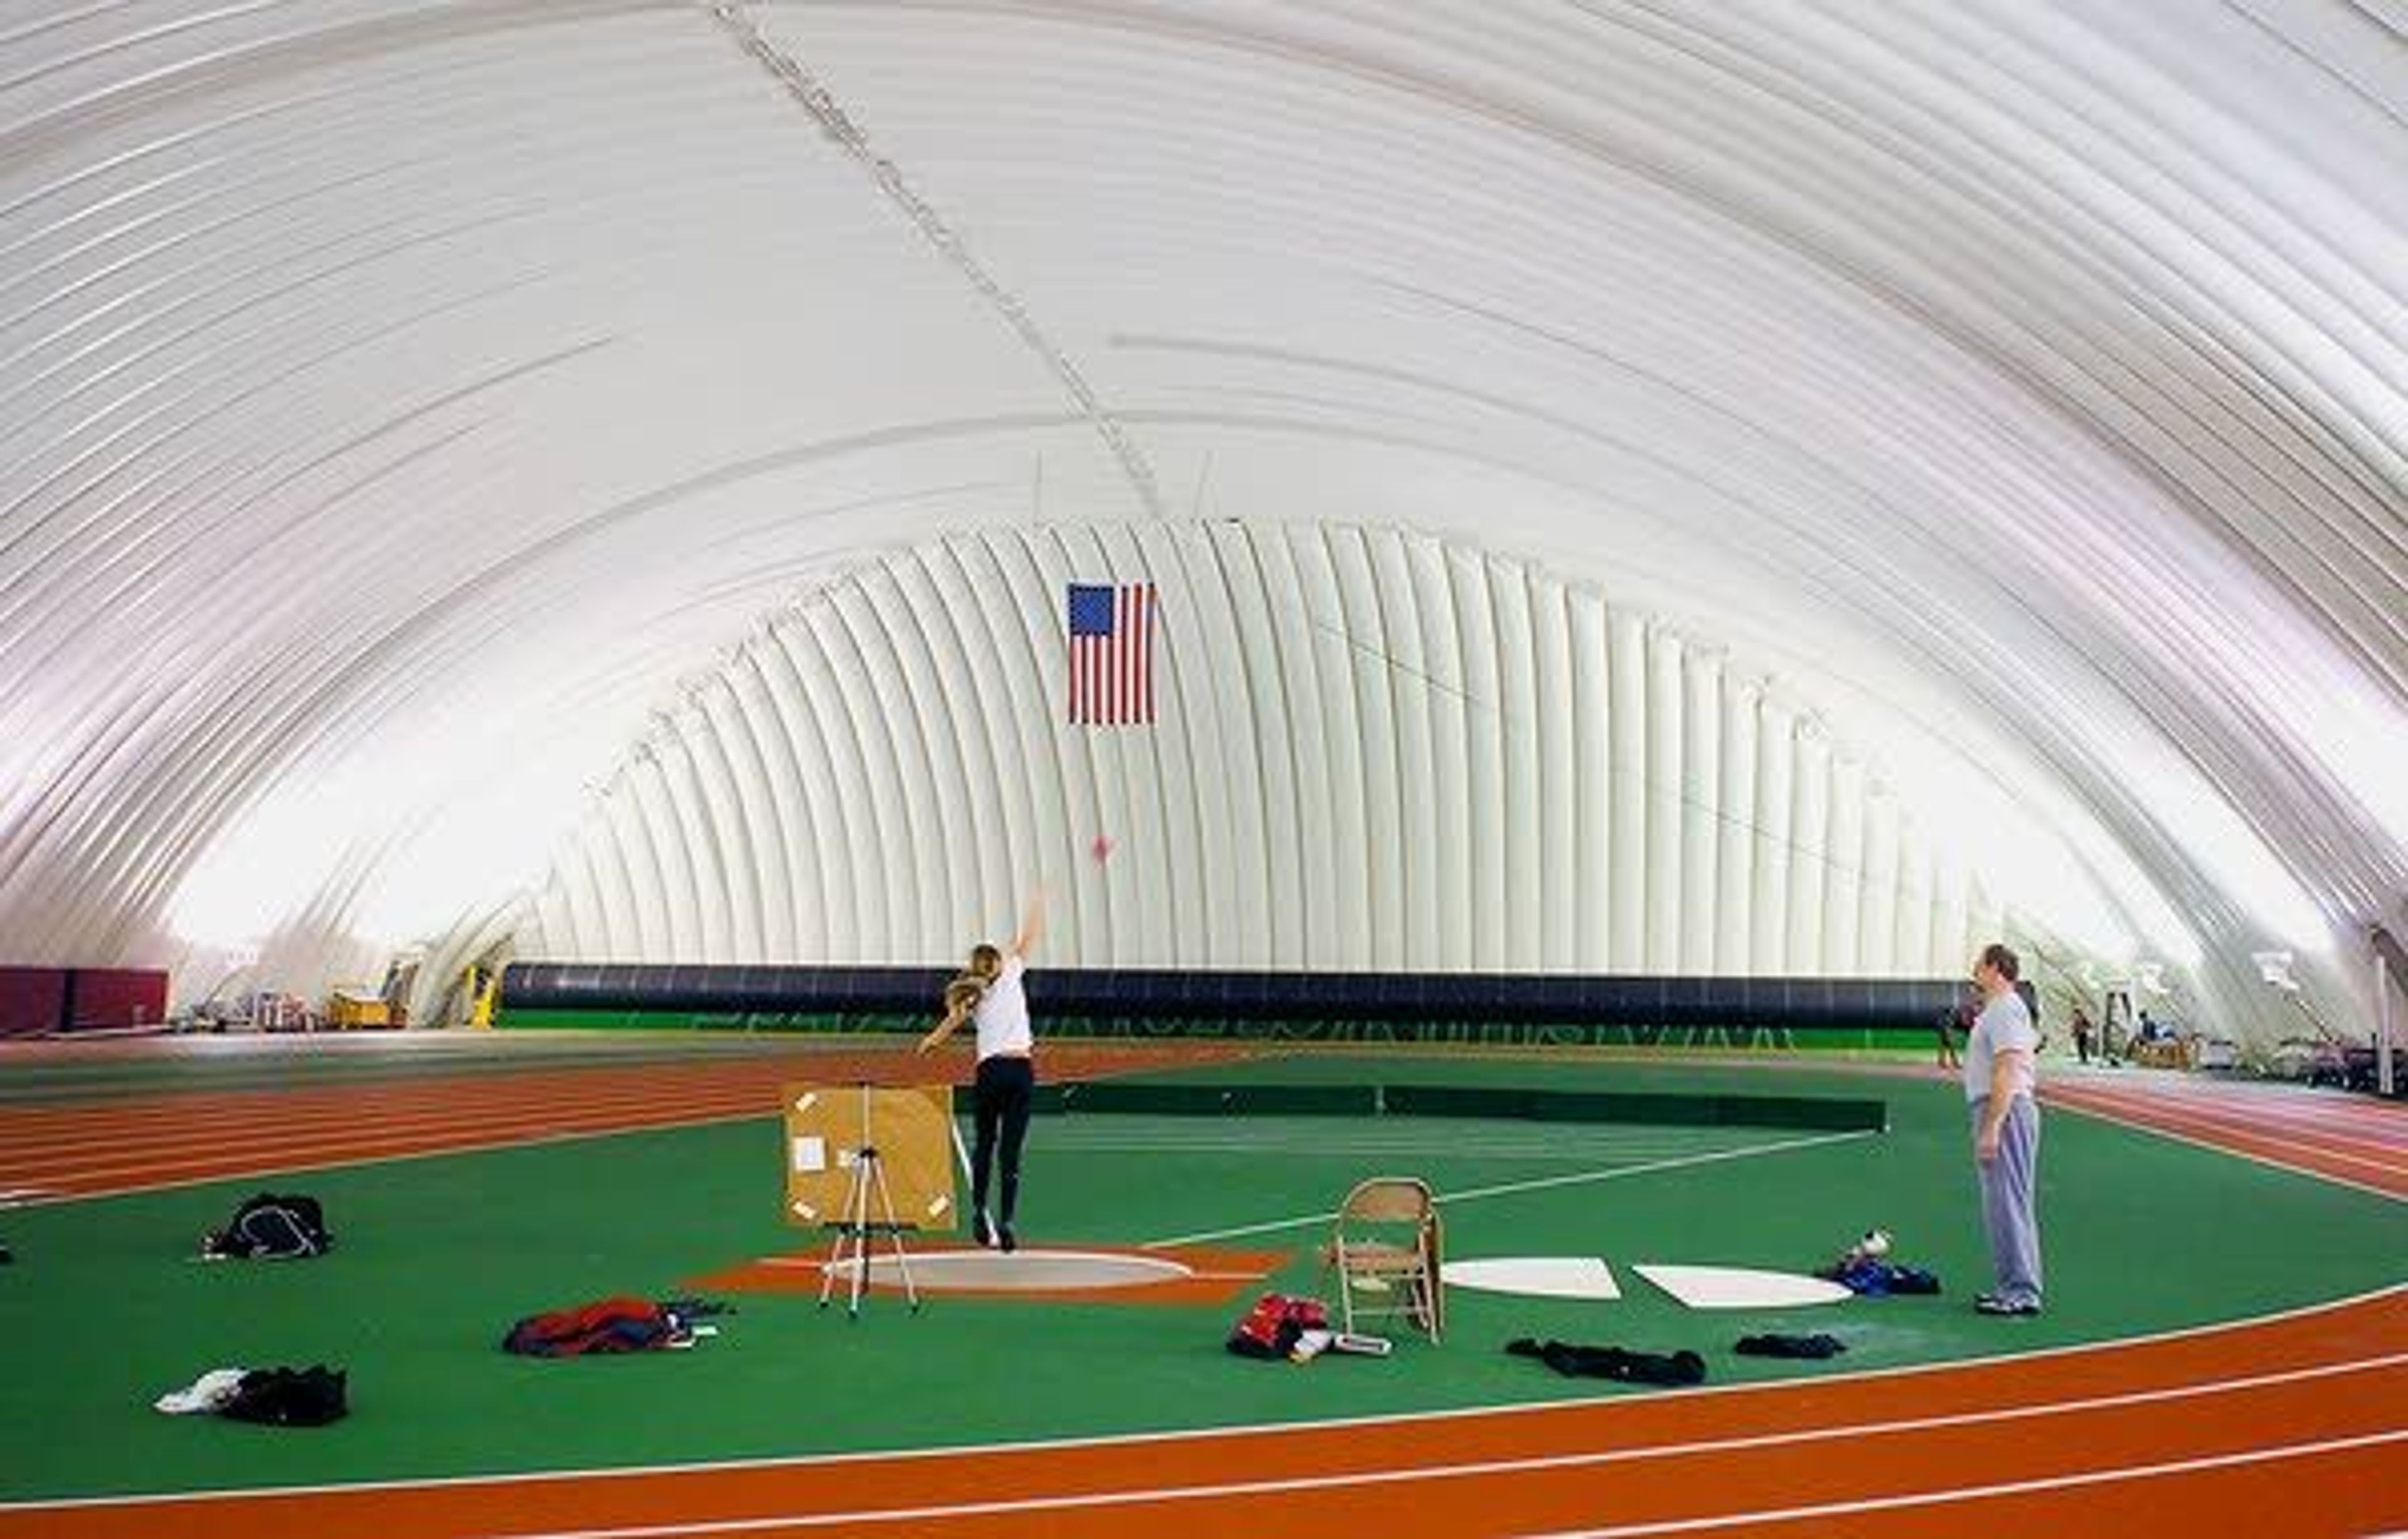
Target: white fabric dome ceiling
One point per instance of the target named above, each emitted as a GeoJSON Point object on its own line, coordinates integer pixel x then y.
{"type": "Point", "coordinates": [409, 403]}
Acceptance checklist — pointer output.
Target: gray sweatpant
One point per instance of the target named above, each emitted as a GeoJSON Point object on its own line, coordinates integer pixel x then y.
{"type": "Point", "coordinates": [2010, 1199]}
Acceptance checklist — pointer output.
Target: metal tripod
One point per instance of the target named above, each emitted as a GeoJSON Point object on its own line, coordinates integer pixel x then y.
{"type": "Point", "coordinates": [854, 1227]}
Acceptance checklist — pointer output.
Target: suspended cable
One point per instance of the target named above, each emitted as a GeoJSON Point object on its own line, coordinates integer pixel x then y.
{"type": "Point", "coordinates": [817, 100]}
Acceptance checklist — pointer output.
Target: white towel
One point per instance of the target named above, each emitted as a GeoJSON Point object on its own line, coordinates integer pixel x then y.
{"type": "Point", "coordinates": [206, 1393]}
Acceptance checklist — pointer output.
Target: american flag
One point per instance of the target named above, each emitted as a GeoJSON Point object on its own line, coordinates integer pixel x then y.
{"type": "Point", "coordinates": [1111, 653]}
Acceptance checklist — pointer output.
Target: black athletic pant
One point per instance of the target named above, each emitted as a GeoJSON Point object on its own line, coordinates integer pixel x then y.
{"type": "Point", "coordinates": [999, 1102]}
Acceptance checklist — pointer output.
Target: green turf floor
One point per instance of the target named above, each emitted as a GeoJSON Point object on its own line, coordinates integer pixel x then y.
{"type": "Point", "coordinates": [437, 1255]}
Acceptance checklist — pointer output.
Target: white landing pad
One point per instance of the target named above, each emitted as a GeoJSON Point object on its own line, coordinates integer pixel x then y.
{"type": "Point", "coordinates": [1544, 1276]}
{"type": "Point", "coordinates": [1736, 1287]}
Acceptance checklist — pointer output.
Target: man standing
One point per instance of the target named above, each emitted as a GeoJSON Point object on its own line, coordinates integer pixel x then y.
{"type": "Point", "coordinates": [2000, 1084]}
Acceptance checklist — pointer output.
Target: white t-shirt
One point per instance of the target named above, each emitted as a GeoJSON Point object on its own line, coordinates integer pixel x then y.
{"type": "Point", "coordinates": [2004, 1025]}
{"type": "Point", "coordinates": [1001, 1016]}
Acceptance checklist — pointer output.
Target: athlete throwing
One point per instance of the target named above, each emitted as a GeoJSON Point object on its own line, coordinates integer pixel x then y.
{"type": "Point", "coordinates": [988, 995]}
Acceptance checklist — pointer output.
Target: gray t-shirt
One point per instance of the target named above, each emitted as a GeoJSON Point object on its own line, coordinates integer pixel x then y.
{"type": "Point", "coordinates": [2002, 1026]}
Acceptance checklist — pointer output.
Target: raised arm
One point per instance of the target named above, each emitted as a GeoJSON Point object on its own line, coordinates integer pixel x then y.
{"type": "Point", "coordinates": [1032, 924]}
{"type": "Point", "coordinates": [958, 1009]}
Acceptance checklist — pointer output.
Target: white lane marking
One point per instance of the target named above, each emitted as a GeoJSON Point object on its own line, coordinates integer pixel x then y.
{"type": "Point", "coordinates": [1142, 1496]}
{"type": "Point", "coordinates": [1980, 1493]}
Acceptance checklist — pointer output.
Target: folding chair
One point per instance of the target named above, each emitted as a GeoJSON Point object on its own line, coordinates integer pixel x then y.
{"type": "Point", "coordinates": [1386, 1244]}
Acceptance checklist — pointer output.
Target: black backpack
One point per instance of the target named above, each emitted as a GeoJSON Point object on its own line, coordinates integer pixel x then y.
{"type": "Point", "coordinates": [272, 1226]}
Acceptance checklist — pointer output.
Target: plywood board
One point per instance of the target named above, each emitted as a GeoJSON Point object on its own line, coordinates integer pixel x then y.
{"type": "Point", "coordinates": [912, 1128]}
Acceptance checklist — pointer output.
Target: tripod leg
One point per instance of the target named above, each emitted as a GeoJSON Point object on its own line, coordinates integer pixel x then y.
{"type": "Point", "coordinates": [849, 1237]}
{"type": "Point", "coordinates": [895, 1236]}
{"type": "Point", "coordinates": [836, 1252]}
{"type": "Point", "coordinates": [861, 1180]}
{"type": "Point", "coordinates": [857, 1228]}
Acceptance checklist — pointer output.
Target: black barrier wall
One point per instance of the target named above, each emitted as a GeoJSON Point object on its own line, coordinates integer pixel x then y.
{"type": "Point", "coordinates": [759, 995]}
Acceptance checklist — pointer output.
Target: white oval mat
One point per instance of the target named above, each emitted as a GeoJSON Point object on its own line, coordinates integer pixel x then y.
{"type": "Point", "coordinates": [1737, 1286]}
{"type": "Point", "coordinates": [1544, 1276]}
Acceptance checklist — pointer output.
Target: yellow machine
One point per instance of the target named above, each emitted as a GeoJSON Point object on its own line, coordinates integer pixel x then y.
{"type": "Point", "coordinates": [350, 1007]}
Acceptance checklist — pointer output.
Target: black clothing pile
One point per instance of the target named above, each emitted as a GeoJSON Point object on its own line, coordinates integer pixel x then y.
{"type": "Point", "coordinates": [1815, 1346]}
{"type": "Point", "coordinates": [289, 1397]}
{"type": "Point", "coordinates": [1678, 1368]}
{"type": "Point", "coordinates": [276, 1397]}
{"type": "Point", "coordinates": [271, 1226]}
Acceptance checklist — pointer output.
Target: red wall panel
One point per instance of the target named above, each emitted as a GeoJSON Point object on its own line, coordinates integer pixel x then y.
{"type": "Point", "coordinates": [33, 1000]}
{"type": "Point", "coordinates": [99, 998]}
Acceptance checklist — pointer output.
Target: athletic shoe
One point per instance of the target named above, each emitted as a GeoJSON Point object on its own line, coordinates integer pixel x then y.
{"type": "Point", "coordinates": [982, 1231]}
{"type": "Point", "coordinates": [1006, 1238]}
{"type": "Point", "coordinates": [1990, 1304]}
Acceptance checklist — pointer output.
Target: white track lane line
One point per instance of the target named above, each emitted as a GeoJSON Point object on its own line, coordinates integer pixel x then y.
{"type": "Point", "coordinates": [1148, 1496]}
{"type": "Point", "coordinates": [1980, 1493]}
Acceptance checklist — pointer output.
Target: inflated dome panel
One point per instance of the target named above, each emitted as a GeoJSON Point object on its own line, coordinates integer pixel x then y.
{"type": "Point", "coordinates": [415, 411]}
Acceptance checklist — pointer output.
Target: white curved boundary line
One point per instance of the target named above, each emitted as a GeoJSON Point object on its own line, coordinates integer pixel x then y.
{"type": "Point", "coordinates": [1154, 1495]}
{"type": "Point", "coordinates": [1273, 1428]}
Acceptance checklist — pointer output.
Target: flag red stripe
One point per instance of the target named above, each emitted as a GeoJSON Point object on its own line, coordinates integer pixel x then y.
{"type": "Point", "coordinates": [1124, 641]}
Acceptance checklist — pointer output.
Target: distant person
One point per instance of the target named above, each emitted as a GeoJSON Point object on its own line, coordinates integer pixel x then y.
{"type": "Point", "coordinates": [2085, 1032]}
{"type": "Point", "coordinates": [988, 993]}
{"type": "Point", "coordinates": [2107, 1044]}
{"type": "Point", "coordinates": [1952, 1024]}
{"type": "Point", "coordinates": [2000, 1082]}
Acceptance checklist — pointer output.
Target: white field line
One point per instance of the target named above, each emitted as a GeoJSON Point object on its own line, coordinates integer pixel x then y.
{"type": "Point", "coordinates": [1507, 1189]}
{"type": "Point", "coordinates": [1557, 1153]}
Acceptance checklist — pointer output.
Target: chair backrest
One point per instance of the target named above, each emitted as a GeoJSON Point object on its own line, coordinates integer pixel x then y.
{"type": "Point", "coordinates": [1388, 1200]}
